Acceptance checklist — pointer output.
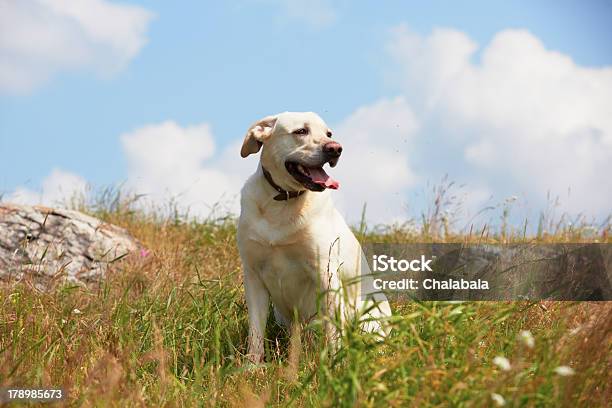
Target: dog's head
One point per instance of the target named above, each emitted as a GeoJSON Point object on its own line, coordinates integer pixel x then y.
{"type": "Point", "coordinates": [296, 146]}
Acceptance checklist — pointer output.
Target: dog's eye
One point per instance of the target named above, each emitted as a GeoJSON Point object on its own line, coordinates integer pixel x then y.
{"type": "Point", "coordinates": [301, 131]}
{"type": "Point", "coordinates": [329, 134]}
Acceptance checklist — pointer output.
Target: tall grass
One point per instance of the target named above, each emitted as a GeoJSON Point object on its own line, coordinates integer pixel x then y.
{"type": "Point", "coordinates": [168, 327]}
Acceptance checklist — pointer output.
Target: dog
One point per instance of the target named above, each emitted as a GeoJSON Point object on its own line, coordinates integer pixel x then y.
{"type": "Point", "coordinates": [293, 243]}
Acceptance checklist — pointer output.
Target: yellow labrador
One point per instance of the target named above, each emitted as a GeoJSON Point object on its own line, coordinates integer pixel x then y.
{"type": "Point", "coordinates": [293, 243]}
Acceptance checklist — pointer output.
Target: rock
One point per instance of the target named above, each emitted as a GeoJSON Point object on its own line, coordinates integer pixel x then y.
{"type": "Point", "coordinates": [52, 245]}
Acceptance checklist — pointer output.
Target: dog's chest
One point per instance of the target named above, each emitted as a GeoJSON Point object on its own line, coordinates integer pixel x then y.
{"type": "Point", "coordinates": [291, 262]}
{"type": "Point", "coordinates": [291, 277]}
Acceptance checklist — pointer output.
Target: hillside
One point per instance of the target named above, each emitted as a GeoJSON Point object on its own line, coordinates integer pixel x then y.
{"type": "Point", "coordinates": [168, 328]}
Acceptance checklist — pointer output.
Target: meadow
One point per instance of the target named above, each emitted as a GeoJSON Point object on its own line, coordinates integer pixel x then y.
{"type": "Point", "coordinates": [168, 327]}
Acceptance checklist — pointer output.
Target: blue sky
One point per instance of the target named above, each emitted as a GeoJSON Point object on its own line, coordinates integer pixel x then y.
{"type": "Point", "coordinates": [226, 64]}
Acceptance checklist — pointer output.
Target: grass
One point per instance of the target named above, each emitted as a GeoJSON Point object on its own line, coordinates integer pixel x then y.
{"type": "Point", "coordinates": [170, 328]}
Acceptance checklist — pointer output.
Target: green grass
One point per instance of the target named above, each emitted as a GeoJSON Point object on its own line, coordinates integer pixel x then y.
{"type": "Point", "coordinates": [170, 329]}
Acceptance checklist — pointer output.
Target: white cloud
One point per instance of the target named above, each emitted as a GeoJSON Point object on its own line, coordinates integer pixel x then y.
{"type": "Point", "coordinates": [39, 38]}
{"type": "Point", "coordinates": [527, 119]}
{"type": "Point", "coordinates": [374, 167]}
{"type": "Point", "coordinates": [58, 187]}
{"type": "Point", "coordinates": [167, 164]}
{"type": "Point", "coordinates": [167, 161]}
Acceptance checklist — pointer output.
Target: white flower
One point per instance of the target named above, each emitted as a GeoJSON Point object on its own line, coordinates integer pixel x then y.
{"type": "Point", "coordinates": [502, 362]}
{"type": "Point", "coordinates": [76, 311]}
{"type": "Point", "coordinates": [564, 371]}
{"type": "Point", "coordinates": [498, 399]}
{"type": "Point", "coordinates": [527, 338]}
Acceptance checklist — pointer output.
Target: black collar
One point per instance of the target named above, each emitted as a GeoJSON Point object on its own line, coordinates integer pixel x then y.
{"type": "Point", "coordinates": [283, 194]}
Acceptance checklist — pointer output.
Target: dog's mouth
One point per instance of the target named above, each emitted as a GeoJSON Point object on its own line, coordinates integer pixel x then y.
{"type": "Point", "coordinates": [313, 178]}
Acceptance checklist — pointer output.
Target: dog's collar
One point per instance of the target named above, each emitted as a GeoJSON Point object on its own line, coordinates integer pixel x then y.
{"type": "Point", "coordinates": [283, 195]}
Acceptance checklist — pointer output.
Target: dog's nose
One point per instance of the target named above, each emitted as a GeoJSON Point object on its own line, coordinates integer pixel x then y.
{"type": "Point", "coordinates": [332, 149]}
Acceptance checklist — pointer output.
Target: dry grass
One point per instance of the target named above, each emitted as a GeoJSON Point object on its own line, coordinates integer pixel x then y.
{"type": "Point", "coordinates": [169, 329]}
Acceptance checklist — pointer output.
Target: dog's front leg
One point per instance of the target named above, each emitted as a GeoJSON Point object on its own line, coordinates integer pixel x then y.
{"type": "Point", "coordinates": [334, 310]}
{"type": "Point", "coordinates": [257, 299]}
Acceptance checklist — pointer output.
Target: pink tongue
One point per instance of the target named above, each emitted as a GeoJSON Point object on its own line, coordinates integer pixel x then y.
{"type": "Point", "coordinates": [319, 176]}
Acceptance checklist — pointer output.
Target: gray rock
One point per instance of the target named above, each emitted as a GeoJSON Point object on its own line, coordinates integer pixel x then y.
{"type": "Point", "coordinates": [53, 245]}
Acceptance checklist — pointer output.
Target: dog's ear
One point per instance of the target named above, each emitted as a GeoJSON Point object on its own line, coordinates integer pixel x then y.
{"type": "Point", "coordinates": [256, 135]}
